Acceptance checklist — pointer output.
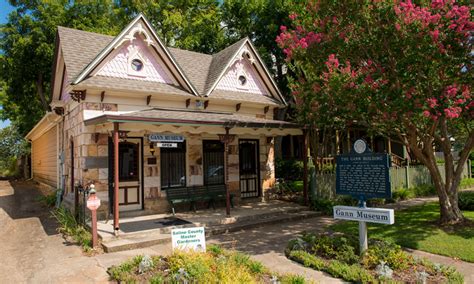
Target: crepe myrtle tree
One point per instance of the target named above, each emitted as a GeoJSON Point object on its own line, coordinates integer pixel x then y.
{"type": "Point", "coordinates": [394, 67]}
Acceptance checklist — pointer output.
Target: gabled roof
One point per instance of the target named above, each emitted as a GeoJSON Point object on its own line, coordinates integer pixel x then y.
{"type": "Point", "coordinates": [220, 62]}
{"type": "Point", "coordinates": [79, 48]}
{"type": "Point", "coordinates": [84, 51]}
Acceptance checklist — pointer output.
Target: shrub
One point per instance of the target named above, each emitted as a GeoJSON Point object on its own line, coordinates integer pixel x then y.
{"type": "Point", "coordinates": [323, 205]}
{"type": "Point", "coordinates": [352, 273]}
{"type": "Point", "coordinates": [423, 190]}
{"type": "Point", "coordinates": [292, 279]}
{"type": "Point", "coordinates": [402, 194]}
{"type": "Point", "coordinates": [289, 169]}
{"type": "Point", "coordinates": [307, 259]}
{"type": "Point", "coordinates": [466, 200]}
{"type": "Point", "coordinates": [387, 252]}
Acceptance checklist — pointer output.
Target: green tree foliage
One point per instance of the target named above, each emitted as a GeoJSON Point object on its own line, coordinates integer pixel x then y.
{"type": "Point", "coordinates": [187, 24]}
{"type": "Point", "coordinates": [394, 67]}
{"type": "Point", "coordinates": [260, 20]}
{"type": "Point", "coordinates": [28, 41]}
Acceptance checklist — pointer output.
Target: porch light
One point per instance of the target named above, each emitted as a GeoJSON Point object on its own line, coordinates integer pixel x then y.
{"type": "Point", "coordinates": [152, 149]}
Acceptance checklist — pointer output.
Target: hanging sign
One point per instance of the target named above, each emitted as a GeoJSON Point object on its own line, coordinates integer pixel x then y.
{"type": "Point", "coordinates": [189, 238]}
{"type": "Point", "coordinates": [372, 215]}
{"type": "Point", "coordinates": [363, 174]}
{"type": "Point", "coordinates": [157, 137]}
{"type": "Point", "coordinates": [167, 145]}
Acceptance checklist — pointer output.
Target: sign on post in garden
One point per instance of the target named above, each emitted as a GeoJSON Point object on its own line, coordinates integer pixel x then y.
{"type": "Point", "coordinates": [363, 174]}
{"type": "Point", "coordinates": [189, 238]}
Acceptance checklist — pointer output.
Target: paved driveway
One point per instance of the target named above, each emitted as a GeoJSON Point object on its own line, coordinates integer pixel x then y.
{"type": "Point", "coordinates": [31, 251]}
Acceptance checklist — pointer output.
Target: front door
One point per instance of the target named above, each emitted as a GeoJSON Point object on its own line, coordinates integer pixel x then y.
{"type": "Point", "coordinates": [249, 168]}
{"type": "Point", "coordinates": [130, 174]}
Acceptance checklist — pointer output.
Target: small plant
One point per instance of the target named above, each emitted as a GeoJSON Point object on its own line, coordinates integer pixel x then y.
{"type": "Point", "coordinates": [69, 227]}
{"type": "Point", "coordinates": [402, 194]}
{"type": "Point", "coordinates": [384, 271]}
{"type": "Point", "coordinates": [217, 265]}
{"type": "Point", "coordinates": [48, 200]}
{"type": "Point", "coordinates": [423, 190]}
{"type": "Point", "coordinates": [145, 264]}
{"type": "Point", "coordinates": [386, 252]}
{"type": "Point", "coordinates": [323, 205]}
{"type": "Point", "coordinates": [292, 279]}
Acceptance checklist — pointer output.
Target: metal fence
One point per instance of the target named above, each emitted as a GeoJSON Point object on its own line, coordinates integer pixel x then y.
{"type": "Point", "coordinates": [400, 177]}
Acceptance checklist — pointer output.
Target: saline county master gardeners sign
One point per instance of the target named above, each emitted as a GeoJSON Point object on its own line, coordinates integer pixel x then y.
{"type": "Point", "coordinates": [189, 238]}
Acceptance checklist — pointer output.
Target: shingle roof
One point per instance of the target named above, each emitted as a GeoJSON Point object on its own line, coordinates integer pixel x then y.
{"type": "Point", "coordinates": [158, 115]}
{"type": "Point", "coordinates": [219, 62]}
{"type": "Point", "coordinates": [80, 48]}
{"type": "Point", "coordinates": [195, 65]}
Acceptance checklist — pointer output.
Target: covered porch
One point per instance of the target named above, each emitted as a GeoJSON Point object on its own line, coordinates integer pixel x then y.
{"type": "Point", "coordinates": [197, 148]}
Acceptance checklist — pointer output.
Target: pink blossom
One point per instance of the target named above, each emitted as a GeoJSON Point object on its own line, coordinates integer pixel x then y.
{"type": "Point", "coordinates": [432, 102]}
{"type": "Point", "coordinates": [283, 29]}
{"type": "Point", "coordinates": [397, 26]}
{"type": "Point", "coordinates": [293, 16]}
{"type": "Point", "coordinates": [451, 90]}
{"type": "Point", "coordinates": [435, 35]}
{"type": "Point", "coordinates": [452, 112]}
{"type": "Point", "coordinates": [332, 62]}
{"type": "Point", "coordinates": [426, 113]}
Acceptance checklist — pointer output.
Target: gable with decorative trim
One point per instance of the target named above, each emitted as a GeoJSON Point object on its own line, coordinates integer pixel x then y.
{"type": "Point", "coordinates": [135, 60]}
{"type": "Point", "coordinates": [242, 77]}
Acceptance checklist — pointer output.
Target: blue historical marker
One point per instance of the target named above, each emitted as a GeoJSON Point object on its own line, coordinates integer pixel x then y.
{"type": "Point", "coordinates": [363, 174]}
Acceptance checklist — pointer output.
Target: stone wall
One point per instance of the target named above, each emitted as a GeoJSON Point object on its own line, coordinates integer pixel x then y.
{"type": "Point", "coordinates": [91, 161]}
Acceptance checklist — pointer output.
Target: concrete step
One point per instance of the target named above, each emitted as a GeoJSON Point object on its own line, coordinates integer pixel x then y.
{"type": "Point", "coordinates": [249, 224]}
{"type": "Point", "coordinates": [123, 243]}
{"type": "Point", "coordinates": [154, 237]}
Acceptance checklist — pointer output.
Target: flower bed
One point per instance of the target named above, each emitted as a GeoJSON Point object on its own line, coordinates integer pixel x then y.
{"type": "Point", "coordinates": [338, 255]}
{"type": "Point", "coordinates": [214, 266]}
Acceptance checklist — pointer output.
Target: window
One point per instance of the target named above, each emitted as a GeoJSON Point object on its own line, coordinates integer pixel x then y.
{"type": "Point", "coordinates": [128, 161]}
{"type": "Point", "coordinates": [213, 151]}
{"type": "Point", "coordinates": [173, 166]}
{"type": "Point", "coordinates": [242, 80]}
{"type": "Point", "coordinates": [137, 65]}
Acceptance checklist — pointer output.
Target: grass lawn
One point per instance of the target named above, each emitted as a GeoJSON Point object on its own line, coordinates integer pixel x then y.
{"type": "Point", "coordinates": [416, 228]}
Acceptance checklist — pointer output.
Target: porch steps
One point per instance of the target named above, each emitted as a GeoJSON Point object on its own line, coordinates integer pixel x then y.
{"type": "Point", "coordinates": [153, 237]}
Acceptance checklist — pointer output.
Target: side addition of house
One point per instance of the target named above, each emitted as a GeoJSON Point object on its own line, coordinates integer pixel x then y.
{"type": "Point", "coordinates": [139, 119]}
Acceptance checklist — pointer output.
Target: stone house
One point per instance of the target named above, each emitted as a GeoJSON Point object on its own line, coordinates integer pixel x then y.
{"type": "Point", "coordinates": [167, 117]}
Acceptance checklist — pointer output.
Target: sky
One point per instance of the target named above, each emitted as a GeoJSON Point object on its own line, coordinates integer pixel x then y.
{"type": "Point", "coordinates": [5, 9]}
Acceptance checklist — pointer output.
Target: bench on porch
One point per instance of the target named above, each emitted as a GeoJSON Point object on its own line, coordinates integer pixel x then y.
{"type": "Point", "coordinates": [209, 193]}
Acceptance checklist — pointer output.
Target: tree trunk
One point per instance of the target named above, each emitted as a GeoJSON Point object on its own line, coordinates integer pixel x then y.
{"type": "Point", "coordinates": [40, 92]}
{"type": "Point", "coordinates": [422, 148]}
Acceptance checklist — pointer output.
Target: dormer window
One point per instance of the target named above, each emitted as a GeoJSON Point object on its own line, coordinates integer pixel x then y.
{"type": "Point", "coordinates": [242, 80]}
{"type": "Point", "coordinates": [137, 65]}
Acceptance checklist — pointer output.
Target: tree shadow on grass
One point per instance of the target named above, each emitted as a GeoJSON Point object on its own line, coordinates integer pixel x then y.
{"type": "Point", "coordinates": [417, 228]}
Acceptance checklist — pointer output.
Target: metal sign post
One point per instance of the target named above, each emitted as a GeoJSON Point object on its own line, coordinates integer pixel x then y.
{"type": "Point", "coordinates": [93, 203]}
{"type": "Point", "coordinates": [363, 242]}
{"type": "Point", "coordinates": [363, 174]}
